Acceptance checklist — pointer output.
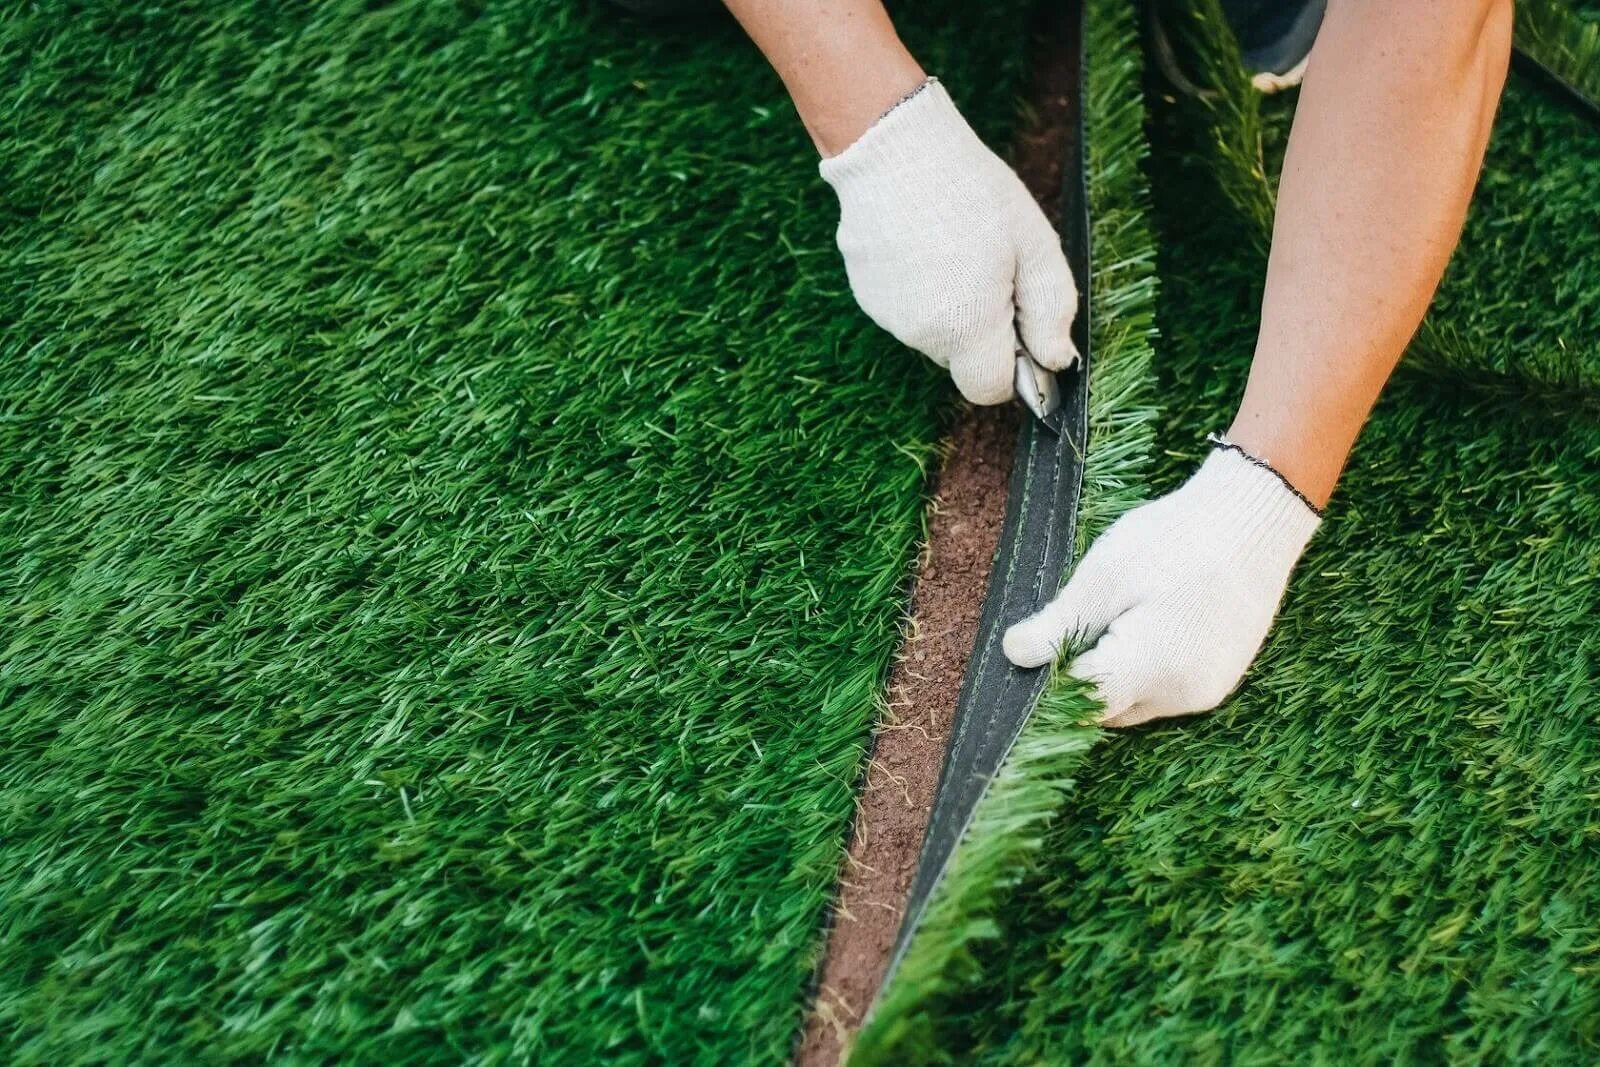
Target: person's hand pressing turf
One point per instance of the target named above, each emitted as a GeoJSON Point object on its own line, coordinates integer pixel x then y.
{"type": "Point", "coordinates": [1177, 596]}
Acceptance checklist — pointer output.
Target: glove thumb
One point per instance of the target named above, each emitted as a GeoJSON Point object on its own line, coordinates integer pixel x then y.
{"type": "Point", "coordinates": [1079, 613]}
{"type": "Point", "coordinates": [985, 370]}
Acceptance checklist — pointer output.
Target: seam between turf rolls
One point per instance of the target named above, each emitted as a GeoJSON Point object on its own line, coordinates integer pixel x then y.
{"type": "Point", "coordinates": [962, 728]}
{"type": "Point", "coordinates": [1030, 786]}
{"type": "Point", "coordinates": [1038, 481]}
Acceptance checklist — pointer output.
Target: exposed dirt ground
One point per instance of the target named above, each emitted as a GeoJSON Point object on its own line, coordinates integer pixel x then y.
{"type": "Point", "coordinates": [963, 529]}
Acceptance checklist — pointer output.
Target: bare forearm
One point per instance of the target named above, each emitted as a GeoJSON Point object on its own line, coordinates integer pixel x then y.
{"type": "Point", "coordinates": [841, 61]}
{"type": "Point", "coordinates": [1386, 147]}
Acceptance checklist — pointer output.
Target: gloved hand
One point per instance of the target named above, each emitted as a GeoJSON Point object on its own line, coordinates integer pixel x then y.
{"type": "Point", "coordinates": [946, 250]}
{"type": "Point", "coordinates": [1179, 592]}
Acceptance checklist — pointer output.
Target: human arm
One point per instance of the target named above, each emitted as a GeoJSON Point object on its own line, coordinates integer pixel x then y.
{"type": "Point", "coordinates": [943, 245]}
{"type": "Point", "coordinates": [1388, 138]}
{"type": "Point", "coordinates": [841, 61]}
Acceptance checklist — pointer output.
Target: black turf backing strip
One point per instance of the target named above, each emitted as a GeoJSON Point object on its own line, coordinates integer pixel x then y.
{"type": "Point", "coordinates": [1036, 548]}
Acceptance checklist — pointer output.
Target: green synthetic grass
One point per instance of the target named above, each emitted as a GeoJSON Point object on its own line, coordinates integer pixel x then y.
{"type": "Point", "coordinates": [1384, 848]}
{"type": "Point", "coordinates": [1564, 35]}
{"type": "Point", "coordinates": [453, 523]}
{"type": "Point", "coordinates": [1518, 298]}
{"type": "Point", "coordinates": [1008, 825]}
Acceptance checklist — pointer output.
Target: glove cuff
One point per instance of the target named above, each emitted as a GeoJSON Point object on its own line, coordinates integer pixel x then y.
{"type": "Point", "coordinates": [1265, 511]}
{"type": "Point", "coordinates": [1221, 443]}
{"type": "Point", "coordinates": [923, 127]}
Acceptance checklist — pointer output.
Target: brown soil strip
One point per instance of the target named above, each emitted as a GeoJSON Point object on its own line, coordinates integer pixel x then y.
{"type": "Point", "coordinates": [908, 750]}
{"type": "Point", "coordinates": [897, 793]}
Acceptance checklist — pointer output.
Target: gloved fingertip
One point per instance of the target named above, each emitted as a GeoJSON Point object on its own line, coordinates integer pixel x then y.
{"type": "Point", "coordinates": [1059, 354]}
{"type": "Point", "coordinates": [1118, 707]}
{"type": "Point", "coordinates": [986, 378]}
{"type": "Point", "coordinates": [1137, 715]}
{"type": "Point", "coordinates": [1033, 642]}
{"type": "Point", "coordinates": [1110, 677]}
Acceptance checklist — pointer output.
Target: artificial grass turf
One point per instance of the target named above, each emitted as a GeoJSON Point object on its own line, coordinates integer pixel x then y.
{"type": "Point", "coordinates": [1383, 849]}
{"type": "Point", "coordinates": [409, 652]}
{"type": "Point", "coordinates": [1563, 37]}
{"type": "Point", "coordinates": [1518, 300]}
{"type": "Point", "coordinates": [453, 531]}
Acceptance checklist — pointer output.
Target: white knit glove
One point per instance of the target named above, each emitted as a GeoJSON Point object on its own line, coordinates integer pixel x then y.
{"type": "Point", "coordinates": [946, 250]}
{"type": "Point", "coordinates": [1179, 592]}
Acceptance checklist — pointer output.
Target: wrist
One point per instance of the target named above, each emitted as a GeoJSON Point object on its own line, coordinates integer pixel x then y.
{"type": "Point", "coordinates": [921, 133]}
{"type": "Point", "coordinates": [1224, 444]}
{"type": "Point", "coordinates": [846, 86]}
{"type": "Point", "coordinates": [1308, 461]}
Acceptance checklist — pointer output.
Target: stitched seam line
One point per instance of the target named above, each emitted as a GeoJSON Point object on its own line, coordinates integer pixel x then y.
{"type": "Point", "coordinates": [1223, 444]}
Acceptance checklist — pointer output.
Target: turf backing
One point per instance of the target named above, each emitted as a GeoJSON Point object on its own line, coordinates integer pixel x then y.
{"type": "Point", "coordinates": [1383, 849]}
{"type": "Point", "coordinates": [452, 531]}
